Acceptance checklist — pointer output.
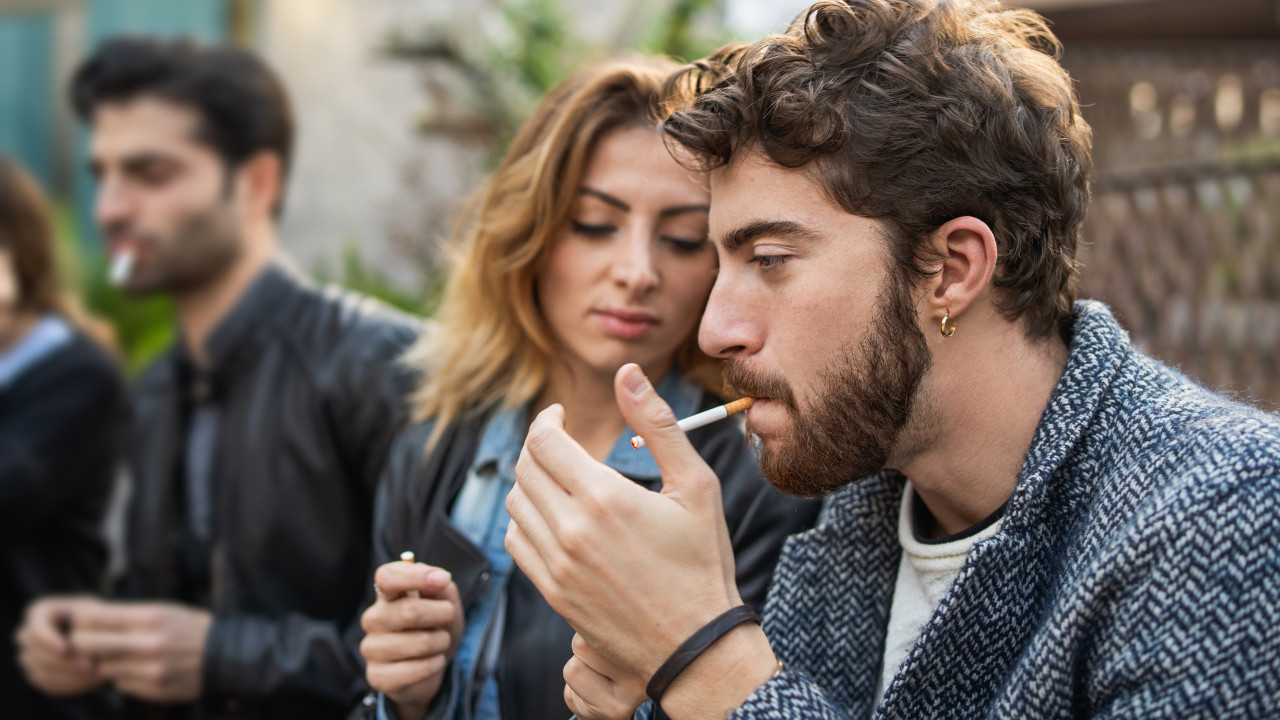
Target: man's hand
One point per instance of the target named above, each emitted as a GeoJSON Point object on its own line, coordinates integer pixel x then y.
{"type": "Point", "coordinates": [595, 689]}
{"type": "Point", "coordinates": [634, 572]}
{"type": "Point", "coordinates": [45, 652]}
{"type": "Point", "coordinates": [409, 640]}
{"type": "Point", "coordinates": [152, 651]}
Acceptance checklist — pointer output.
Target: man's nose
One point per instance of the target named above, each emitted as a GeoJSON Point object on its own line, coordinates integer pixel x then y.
{"type": "Point", "coordinates": [731, 325]}
{"type": "Point", "coordinates": [113, 206]}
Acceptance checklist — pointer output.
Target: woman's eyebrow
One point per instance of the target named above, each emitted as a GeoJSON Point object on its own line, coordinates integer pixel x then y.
{"type": "Point", "coordinates": [606, 197]}
{"type": "Point", "coordinates": [665, 212]}
{"type": "Point", "coordinates": [681, 209]}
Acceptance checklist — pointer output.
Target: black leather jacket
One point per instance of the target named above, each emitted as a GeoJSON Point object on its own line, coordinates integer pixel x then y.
{"type": "Point", "coordinates": [412, 513]}
{"type": "Point", "coordinates": [310, 395]}
{"type": "Point", "coordinates": [59, 428]}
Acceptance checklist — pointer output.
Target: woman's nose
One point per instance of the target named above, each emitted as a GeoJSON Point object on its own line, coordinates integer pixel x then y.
{"type": "Point", "coordinates": [633, 264]}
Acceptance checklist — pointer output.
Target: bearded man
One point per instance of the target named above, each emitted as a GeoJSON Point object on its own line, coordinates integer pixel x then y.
{"type": "Point", "coordinates": [257, 440]}
{"type": "Point", "coordinates": [1026, 517]}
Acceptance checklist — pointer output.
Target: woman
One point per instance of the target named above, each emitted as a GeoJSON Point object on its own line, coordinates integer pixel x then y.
{"type": "Point", "coordinates": [61, 404]}
{"type": "Point", "coordinates": [586, 250]}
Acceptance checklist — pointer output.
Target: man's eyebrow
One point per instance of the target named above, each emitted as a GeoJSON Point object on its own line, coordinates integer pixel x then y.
{"type": "Point", "coordinates": [142, 159]}
{"type": "Point", "coordinates": [781, 229]}
{"type": "Point", "coordinates": [133, 163]}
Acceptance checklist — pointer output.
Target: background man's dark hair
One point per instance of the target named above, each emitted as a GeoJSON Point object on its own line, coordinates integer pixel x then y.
{"type": "Point", "coordinates": [242, 105]}
{"type": "Point", "coordinates": [916, 112]}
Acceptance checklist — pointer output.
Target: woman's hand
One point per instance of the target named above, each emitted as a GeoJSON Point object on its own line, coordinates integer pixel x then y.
{"type": "Point", "coordinates": [412, 631]}
{"type": "Point", "coordinates": [596, 689]}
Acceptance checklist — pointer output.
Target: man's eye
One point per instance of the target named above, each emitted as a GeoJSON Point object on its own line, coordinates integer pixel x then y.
{"type": "Point", "coordinates": [593, 231]}
{"type": "Point", "coordinates": [766, 262]}
{"type": "Point", "coordinates": [155, 174]}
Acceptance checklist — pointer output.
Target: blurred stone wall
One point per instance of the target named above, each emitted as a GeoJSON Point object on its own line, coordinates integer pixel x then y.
{"type": "Point", "coordinates": [363, 176]}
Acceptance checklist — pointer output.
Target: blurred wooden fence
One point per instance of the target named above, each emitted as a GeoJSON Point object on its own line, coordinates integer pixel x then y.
{"type": "Point", "coordinates": [1153, 104]}
{"type": "Point", "coordinates": [1189, 258]}
{"type": "Point", "coordinates": [1183, 238]}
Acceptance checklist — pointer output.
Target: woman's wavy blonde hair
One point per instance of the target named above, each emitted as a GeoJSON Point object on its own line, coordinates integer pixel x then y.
{"type": "Point", "coordinates": [491, 346]}
{"type": "Point", "coordinates": [26, 232]}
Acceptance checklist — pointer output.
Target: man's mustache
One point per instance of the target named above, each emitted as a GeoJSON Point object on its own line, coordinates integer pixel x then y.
{"type": "Point", "coordinates": [738, 380]}
{"type": "Point", "coordinates": [126, 234]}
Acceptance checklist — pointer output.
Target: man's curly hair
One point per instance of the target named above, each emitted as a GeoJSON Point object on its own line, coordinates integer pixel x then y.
{"type": "Point", "coordinates": [915, 112]}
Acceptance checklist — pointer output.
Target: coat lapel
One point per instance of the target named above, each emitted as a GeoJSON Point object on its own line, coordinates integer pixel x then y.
{"type": "Point", "coordinates": [827, 611]}
{"type": "Point", "coordinates": [1000, 598]}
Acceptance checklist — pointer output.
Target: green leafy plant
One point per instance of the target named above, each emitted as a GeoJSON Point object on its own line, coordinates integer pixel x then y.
{"type": "Point", "coordinates": [676, 32]}
{"type": "Point", "coordinates": [511, 76]}
{"type": "Point", "coordinates": [356, 275]}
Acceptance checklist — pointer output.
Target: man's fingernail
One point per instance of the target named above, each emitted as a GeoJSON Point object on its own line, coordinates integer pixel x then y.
{"type": "Point", "coordinates": [438, 577]}
{"type": "Point", "coordinates": [634, 381]}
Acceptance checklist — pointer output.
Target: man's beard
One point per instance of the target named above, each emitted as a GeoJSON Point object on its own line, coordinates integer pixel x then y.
{"type": "Point", "coordinates": [201, 249]}
{"type": "Point", "coordinates": [863, 400]}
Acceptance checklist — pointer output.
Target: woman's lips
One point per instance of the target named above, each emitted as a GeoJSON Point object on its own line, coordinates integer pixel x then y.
{"type": "Point", "coordinates": [625, 324]}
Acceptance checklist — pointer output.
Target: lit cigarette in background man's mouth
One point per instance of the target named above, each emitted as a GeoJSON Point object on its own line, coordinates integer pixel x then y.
{"type": "Point", "coordinates": [706, 417]}
{"type": "Point", "coordinates": [121, 267]}
{"type": "Point", "coordinates": [409, 557]}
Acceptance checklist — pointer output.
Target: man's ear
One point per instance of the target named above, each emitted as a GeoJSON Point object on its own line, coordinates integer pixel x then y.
{"type": "Point", "coordinates": [966, 261]}
{"type": "Point", "coordinates": [259, 183]}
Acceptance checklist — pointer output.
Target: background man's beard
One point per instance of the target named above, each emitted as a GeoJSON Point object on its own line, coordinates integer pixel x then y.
{"type": "Point", "coordinates": [201, 249]}
{"type": "Point", "coordinates": [864, 400]}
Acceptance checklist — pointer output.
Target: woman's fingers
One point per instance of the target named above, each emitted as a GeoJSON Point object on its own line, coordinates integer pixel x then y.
{"type": "Point", "coordinates": [407, 645]}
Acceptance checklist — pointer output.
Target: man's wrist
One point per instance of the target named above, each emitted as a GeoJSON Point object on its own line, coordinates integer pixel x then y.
{"type": "Point", "coordinates": [721, 679]}
{"type": "Point", "coordinates": [410, 710]}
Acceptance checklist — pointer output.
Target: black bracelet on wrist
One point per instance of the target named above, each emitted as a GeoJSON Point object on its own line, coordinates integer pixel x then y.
{"type": "Point", "coordinates": [697, 644]}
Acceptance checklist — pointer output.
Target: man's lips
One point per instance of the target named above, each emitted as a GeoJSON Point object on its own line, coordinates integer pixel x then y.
{"type": "Point", "coordinates": [762, 401]}
{"type": "Point", "coordinates": [625, 324]}
{"type": "Point", "coordinates": [129, 243]}
{"type": "Point", "coordinates": [766, 416]}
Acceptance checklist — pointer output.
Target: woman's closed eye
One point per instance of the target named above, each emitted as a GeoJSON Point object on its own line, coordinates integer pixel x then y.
{"type": "Point", "coordinates": [685, 245]}
{"type": "Point", "coordinates": [593, 230]}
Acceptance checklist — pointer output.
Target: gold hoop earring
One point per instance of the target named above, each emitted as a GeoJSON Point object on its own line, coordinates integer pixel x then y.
{"type": "Point", "coordinates": [948, 331]}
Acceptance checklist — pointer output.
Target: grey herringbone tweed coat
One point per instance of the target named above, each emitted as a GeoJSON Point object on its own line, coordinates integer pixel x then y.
{"type": "Point", "coordinates": [1136, 573]}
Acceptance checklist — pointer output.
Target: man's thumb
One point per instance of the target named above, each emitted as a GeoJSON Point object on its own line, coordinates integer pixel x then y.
{"type": "Point", "coordinates": [652, 419]}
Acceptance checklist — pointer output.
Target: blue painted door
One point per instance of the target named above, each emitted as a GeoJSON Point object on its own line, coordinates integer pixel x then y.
{"type": "Point", "coordinates": [27, 92]}
{"type": "Point", "coordinates": [205, 19]}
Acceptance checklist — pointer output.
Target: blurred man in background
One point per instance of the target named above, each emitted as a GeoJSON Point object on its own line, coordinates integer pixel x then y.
{"type": "Point", "coordinates": [257, 439]}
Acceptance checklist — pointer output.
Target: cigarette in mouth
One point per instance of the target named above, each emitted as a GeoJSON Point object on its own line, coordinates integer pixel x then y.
{"type": "Point", "coordinates": [706, 417]}
{"type": "Point", "coordinates": [409, 557]}
{"type": "Point", "coordinates": [121, 267]}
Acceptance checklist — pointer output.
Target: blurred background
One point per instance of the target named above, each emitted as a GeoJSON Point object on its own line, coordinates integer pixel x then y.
{"type": "Point", "coordinates": [403, 106]}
